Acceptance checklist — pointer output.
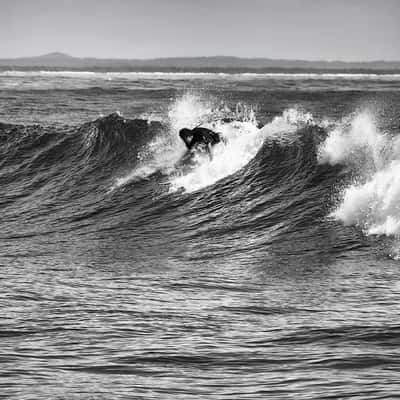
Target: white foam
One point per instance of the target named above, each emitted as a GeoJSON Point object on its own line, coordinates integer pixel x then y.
{"type": "Point", "coordinates": [375, 204]}
{"type": "Point", "coordinates": [165, 150]}
{"type": "Point", "coordinates": [351, 140]}
{"type": "Point", "coordinates": [244, 139]}
{"type": "Point", "coordinates": [372, 202]}
{"type": "Point", "coordinates": [197, 75]}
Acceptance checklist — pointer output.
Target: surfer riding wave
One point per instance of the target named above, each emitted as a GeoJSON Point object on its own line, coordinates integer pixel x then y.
{"type": "Point", "coordinates": [202, 139]}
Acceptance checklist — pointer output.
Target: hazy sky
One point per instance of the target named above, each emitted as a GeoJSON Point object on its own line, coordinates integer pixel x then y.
{"type": "Point", "coordinates": [302, 29]}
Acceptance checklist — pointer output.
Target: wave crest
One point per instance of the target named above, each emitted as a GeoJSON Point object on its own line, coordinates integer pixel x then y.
{"type": "Point", "coordinates": [371, 201]}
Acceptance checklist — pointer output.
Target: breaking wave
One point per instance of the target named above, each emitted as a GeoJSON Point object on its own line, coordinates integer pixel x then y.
{"type": "Point", "coordinates": [276, 177]}
{"type": "Point", "coordinates": [371, 200]}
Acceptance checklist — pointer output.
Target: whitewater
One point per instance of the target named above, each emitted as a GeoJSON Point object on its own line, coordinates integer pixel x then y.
{"type": "Point", "coordinates": [131, 271]}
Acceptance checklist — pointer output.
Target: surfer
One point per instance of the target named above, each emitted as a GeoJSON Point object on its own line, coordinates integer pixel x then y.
{"type": "Point", "coordinates": [200, 138]}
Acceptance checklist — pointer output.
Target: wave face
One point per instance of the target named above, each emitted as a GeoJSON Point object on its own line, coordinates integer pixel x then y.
{"type": "Point", "coordinates": [95, 168]}
{"type": "Point", "coordinates": [268, 271]}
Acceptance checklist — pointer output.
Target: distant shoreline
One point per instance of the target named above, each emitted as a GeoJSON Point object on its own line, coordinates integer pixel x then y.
{"type": "Point", "coordinates": [217, 64]}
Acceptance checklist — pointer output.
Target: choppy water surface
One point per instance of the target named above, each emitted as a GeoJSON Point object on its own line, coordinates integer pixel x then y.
{"type": "Point", "coordinates": [271, 271]}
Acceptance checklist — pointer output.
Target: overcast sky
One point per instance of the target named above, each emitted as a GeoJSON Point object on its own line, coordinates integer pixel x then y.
{"type": "Point", "coordinates": [301, 29]}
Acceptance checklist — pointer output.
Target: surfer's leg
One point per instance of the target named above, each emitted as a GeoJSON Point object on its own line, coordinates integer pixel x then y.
{"type": "Point", "coordinates": [209, 151]}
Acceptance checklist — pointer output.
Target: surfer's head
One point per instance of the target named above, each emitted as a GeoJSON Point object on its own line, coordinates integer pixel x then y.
{"type": "Point", "coordinates": [186, 135]}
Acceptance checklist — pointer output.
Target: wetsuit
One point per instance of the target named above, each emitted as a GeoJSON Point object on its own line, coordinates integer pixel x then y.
{"type": "Point", "coordinates": [199, 137]}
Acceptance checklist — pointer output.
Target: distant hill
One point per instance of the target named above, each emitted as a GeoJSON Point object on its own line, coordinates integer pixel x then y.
{"type": "Point", "coordinates": [195, 64]}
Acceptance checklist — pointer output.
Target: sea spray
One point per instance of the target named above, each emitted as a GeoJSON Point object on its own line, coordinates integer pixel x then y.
{"type": "Point", "coordinates": [375, 204]}
{"type": "Point", "coordinates": [188, 111]}
{"type": "Point", "coordinates": [355, 140]}
{"type": "Point", "coordinates": [165, 150]}
{"type": "Point", "coordinates": [372, 200]}
{"type": "Point", "coordinates": [244, 139]}
{"type": "Point", "coordinates": [238, 125]}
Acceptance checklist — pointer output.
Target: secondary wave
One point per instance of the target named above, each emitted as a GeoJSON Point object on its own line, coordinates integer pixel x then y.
{"type": "Point", "coordinates": [371, 201]}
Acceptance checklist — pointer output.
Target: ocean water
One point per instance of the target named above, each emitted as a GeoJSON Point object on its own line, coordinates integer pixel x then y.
{"type": "Point", "coordinates": [271, 271]}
